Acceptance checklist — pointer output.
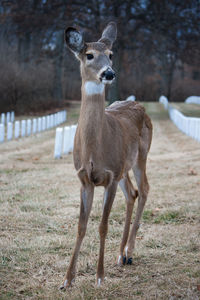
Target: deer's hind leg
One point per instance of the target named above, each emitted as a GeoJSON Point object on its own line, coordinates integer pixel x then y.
{"type": "Point", "coordinates": [143, 187]}
{"type": "Point", "coordinates": [130, 194]}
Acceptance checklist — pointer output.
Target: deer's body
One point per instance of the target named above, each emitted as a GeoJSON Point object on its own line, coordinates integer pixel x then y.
{"type": "Point", "coordinates": [108, 143]}
{"type": "Point", "coordinates": [104, 141]}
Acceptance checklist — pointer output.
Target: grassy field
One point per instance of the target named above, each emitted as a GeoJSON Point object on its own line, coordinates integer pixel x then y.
{"type": "Point", "coordinates": [39, 209]}
{"type": "Point", "coordinates": [188, 109]}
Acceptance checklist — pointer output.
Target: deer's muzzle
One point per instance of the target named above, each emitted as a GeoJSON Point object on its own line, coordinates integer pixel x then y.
{"type": "Point", "coordinates": [107, 76]}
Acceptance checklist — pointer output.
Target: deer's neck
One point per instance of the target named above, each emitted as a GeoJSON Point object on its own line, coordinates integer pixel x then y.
{"type": "Point", "coordinates": [92, 116]}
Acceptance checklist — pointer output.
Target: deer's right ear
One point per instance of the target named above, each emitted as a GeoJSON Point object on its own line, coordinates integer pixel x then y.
{"type": "Point", "coordinates": [74, 40]}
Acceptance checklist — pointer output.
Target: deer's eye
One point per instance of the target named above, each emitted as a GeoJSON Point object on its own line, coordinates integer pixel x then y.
{"type": "Point", "coordinates": [110, 56]}
{"type": "Point", "coordinates": [90, 56]}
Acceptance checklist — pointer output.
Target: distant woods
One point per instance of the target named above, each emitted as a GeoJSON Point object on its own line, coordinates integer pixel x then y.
{"type": "Point", "coordinates": [157, 51]}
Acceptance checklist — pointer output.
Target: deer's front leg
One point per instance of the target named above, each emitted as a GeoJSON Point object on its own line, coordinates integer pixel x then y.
{"type": "Point", "coordinates": [87, 193]}
{"type": "Point", "coordinates": [109, 196]}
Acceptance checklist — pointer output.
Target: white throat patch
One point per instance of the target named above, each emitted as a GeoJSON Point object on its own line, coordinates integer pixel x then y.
{"type": "Point", "coordinates": [93, 88]}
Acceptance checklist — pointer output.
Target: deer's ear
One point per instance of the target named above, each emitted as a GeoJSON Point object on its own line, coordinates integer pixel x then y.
{"type": "Point", "coordinates": [74, 40]}
{"type": "Point", "coordinates": [109, 34]}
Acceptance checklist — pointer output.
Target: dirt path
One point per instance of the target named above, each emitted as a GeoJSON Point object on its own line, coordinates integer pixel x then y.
{"type": "Point", "coordinates": [39, 208]}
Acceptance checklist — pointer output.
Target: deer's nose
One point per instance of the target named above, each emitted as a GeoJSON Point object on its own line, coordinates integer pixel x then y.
{"type": "Point", "coordinates": [108, 74]}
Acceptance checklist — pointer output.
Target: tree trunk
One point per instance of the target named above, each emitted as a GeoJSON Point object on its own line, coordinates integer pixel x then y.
{"type": "Point", "coordinates": [172, 65]}
{"type": "Point", "coordinates": [58, 91]}
{"type": "Point", "coordinates": [24, 48]}
{"type": "Point", "coordinates": [113, 90]}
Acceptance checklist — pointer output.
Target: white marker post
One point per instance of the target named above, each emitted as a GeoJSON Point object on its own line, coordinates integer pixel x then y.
{"type": "Point", "coordinates": [2, 132]}
{"type": "Point", "coordinates": [9, 131]}
{"type": "Point", "coordinates": [66, 140]}
{"type": "Point", "coordinates": [29, 127]}
{"type": "Point", "coordinates": [72, 135]}
{"type": "Point", "coordinates": [58, 142]}
{"type": "Point", "coordinates": [198, 130]}
{"type": "Point", "coordinates": [23, 128]}
{"type": "Point", "coordinates": [39, 124]}
{"type": "Point", "coordinates": [7, 117]}
{"type": "Point", "coordinates": [52, 121]}
{"type": "Point", "coordinates": [65, 114]}
{"type": "Point", "coordinates": [3, 118]}
{"type": "Point", "coordinates": [131, 98]}
{"type": "Point", "coordinates": [17, 129]}
{"type": "Point", "coordinates": [43, 123]}
{"type": "Point", "coordinates": [12, 117]}
{"type": "Point", "coordinates": [48, 122]}
{"type": "Point", "coordinates": [34, 126]}
{"type": "Point", "coordinates": [55, 119]}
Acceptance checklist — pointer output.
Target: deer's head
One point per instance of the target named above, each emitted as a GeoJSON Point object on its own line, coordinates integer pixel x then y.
{"type": "Point", "coordinates": [95, 58]}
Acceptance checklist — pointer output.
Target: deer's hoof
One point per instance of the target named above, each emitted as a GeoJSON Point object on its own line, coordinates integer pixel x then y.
{"type": "Point", "coordinates": [124, 260]}
{"type": "Point", "coordinates": [66, 284]}
{"type": "Point", "coordinates": [127, 261]}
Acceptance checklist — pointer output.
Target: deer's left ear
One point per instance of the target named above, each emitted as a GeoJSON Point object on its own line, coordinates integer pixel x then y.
{"type": "Point", "coordinates": [109, 34]}
{"type": "Point", "coordinates": [74, 40]}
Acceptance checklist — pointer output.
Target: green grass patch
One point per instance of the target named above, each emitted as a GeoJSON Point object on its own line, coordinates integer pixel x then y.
{"type": "Point", "coordinates": [5, 260]}
{"type": "Point", "coordinates": [5, 295]}
{"type": "Point", "coordinates": [148, 216]}
{"type": "Point", "coordinates": [29, 208]}
{"type": "Point", "coordinates": [168, 217]}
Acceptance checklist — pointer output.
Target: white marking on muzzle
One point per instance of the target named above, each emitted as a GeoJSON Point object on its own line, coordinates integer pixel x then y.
{"type": "Point", "coordinates": [103, 70]}
{"type": "Point", "coordinates": [93, 88]}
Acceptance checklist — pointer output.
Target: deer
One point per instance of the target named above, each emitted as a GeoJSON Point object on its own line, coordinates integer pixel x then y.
{"type": "Point", "coordinates": [108, 144]}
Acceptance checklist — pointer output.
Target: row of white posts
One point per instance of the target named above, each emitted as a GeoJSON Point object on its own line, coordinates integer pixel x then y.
{"type": "Point", "coordinates": [7, 117]}
{"type": "Point", "coordinates": [188, 125]}
{"type": "Point", "coordinates": [27, 127]}
{"type": "Point", "coordinates": [64, 140]}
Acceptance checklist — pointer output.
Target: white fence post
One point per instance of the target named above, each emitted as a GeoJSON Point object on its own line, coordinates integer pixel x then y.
{"type": "Point", "coordinates": [164, 101]}
{"type": "Point", "coordinates": [29, 127]}
{"type": "Point", "coordinates": [189, 125]}
{"type": "Point", "coordinates": [131, 98]}
{"type": "Point", "coordinates": [39, 124]}
{"type": "Point", "coordinates": [7, 117]}
{"type": "Point", "coordinates": [51, 121]}
{"type": "Point", "coordinates": [34, 126]}
{"type": "Point", "coordinates": [193, 99]}
{"type": "Point", "coordinates": [9, 131]}
{"type": "Point", "coordinates": [2, 132]}
{"type": "Point", "coordinates": [17, 129]}
{"type": "Point", "coordinates": [23, 128]}
{"type": "Point", "coordinates": [58, 142]}
{"type": "Point", "coordinates": [43, 123]}
{"type": "Point", "coordinates": [66, 140]}
{"type": "Point", "coordinates": [73, 132]}
{"type": "Point", "coordinates": [3, 118]}
{"type": "Point", "coordinates": [55, 119]}
{"type": "Point", "coordinates": [48, 122]}
{"type": "Point", "coordinates": [65, 115]}
{"type": "Point", "coordinates": [12, 117]}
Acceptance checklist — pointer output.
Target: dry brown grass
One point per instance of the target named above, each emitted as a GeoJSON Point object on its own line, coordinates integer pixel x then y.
{"type": "Point", "coordinates": [39, 208]}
